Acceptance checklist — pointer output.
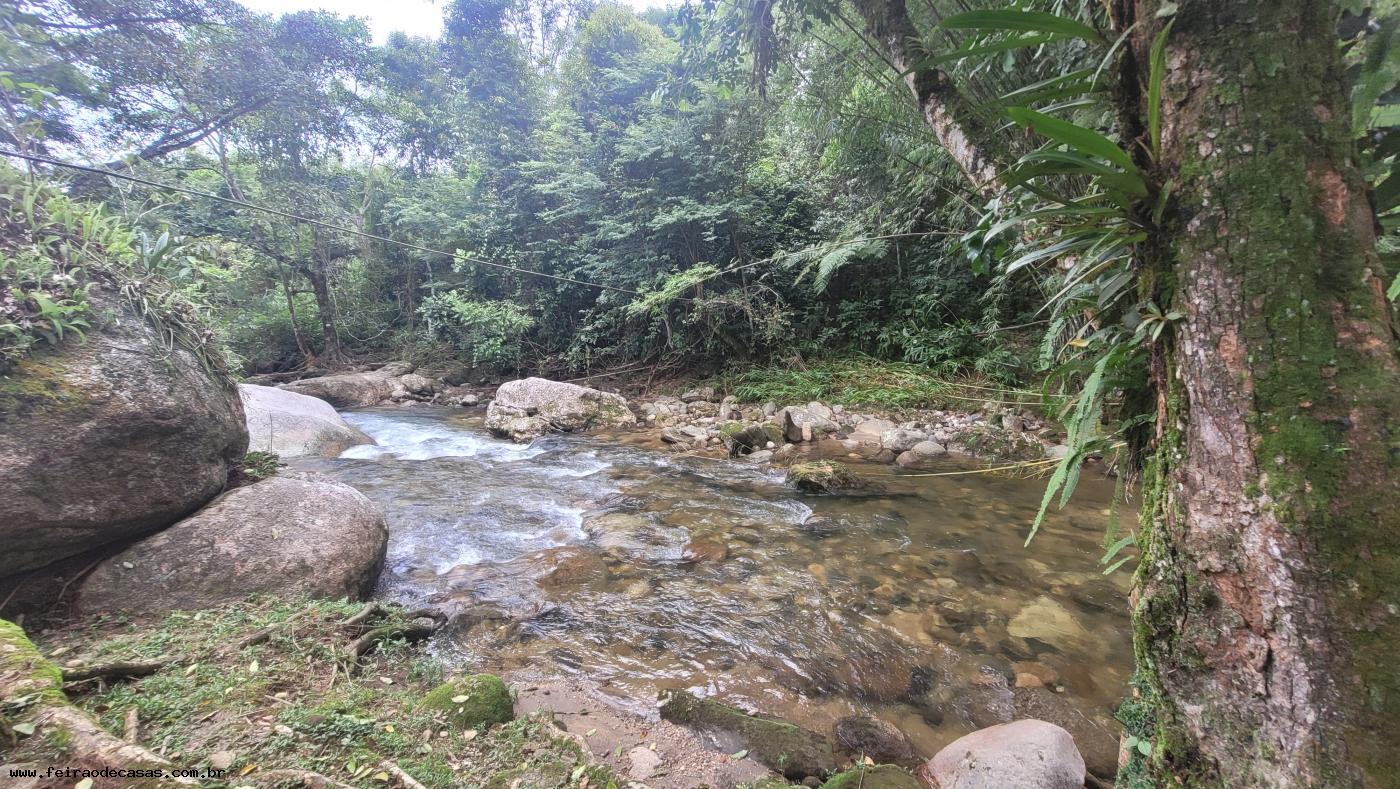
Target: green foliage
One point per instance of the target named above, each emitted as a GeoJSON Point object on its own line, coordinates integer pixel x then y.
{"type": "Point", "coordinates": [256, 466]}
{"type": "Point", "coordinates": [55, 250]}
{"type": "Point", "coordinates": [487, 332]}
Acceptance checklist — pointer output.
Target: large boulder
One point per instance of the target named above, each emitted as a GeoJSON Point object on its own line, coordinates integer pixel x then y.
{"type": "Point", "coordinates": [110, 438]}
{"type": "Point", "coordinates": [793, 751]}
{"type": "Point", "coordinates": [1025, 753]}
{"type": "Point", "coordinates": [354, 390]}
{"type": "Point", "coordinates": [800, 424]}
{"type": "Point", "coordinates": [293, 425]}
{"type": "Point", "coordinates": [531, 407]}
{"type": "Point", "coordinates": [288, 535]}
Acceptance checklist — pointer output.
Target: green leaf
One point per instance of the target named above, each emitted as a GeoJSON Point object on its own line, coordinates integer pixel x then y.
{"type": "Point", "coordinates": [24, 728]}
{"type": "Point", "coordinates": [1393, 292]}
{"type": "Point", "coordinates": [1079, 138]}
{"type": "Point", "coordinates": [1156, 73]}
{"type": "Point", "coordinates": [1012, 19]}
{"type": "Point", "coordinates": [739, 754]}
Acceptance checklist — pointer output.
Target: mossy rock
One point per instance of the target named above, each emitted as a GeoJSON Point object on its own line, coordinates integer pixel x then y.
{"type": "Point", "coordinates": [475, 701]}
{"type": "Point", "coordinates": [885, 776]}
{"type": "Point", "coordinates": [827, 476]}
{"type": "Point", "coordinates": [787, 749]}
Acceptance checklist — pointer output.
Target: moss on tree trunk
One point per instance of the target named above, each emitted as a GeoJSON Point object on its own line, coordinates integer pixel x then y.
{"type": "Point", "coordinates": [1265, 605]}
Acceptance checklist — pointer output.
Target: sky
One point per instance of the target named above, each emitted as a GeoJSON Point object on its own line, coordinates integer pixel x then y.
{"type": "Point", "coordinates": [415, 17]}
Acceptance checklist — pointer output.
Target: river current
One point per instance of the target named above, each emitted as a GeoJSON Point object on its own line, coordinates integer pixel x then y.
{"type": "Point", "coordinates": [609, 560]}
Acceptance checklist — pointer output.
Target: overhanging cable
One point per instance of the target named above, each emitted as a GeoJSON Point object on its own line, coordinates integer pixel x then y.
{"type": "Point", "coordinates": [308, 220]}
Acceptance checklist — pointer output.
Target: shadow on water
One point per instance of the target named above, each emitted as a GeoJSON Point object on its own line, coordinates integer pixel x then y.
{"type": "Point", "coordinates": [634, 569]}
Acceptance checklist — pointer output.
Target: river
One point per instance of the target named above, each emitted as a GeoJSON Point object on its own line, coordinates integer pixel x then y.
{"type": "Point", "coordinates": [608, 560]}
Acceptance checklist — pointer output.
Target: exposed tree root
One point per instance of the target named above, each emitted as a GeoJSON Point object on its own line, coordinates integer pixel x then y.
{"type": "Point", "coordinates": [398, 772]}
{"type": "Point", "coordinates": [306, 777]}
{"type": "Point", "coordinates": [416, 626]}
{"type": "Point", "coordinates": [35, 685]}
{"type": "Point", "coordinates": [113, 670]}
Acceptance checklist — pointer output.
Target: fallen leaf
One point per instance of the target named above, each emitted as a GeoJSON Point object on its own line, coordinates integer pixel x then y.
{"type": "Point", "coordinates": [652, 746]}
{"type": "Point", "coordinates": [739, 754]}
{"type": "Point", "coordinates": [191, 669]}
{"type": "Point", "coordinates": [86, 783]}
{"type": "Point", "coordinates": [253, 667]}
{"type": "Point", "coordinates": [284, 730]}
{"type": "Point", "coordinates": [248, 769]}
{"type": "Point", "coordinates": [458, 699]}
{"type": "Point", "coordinates": [869, 762]}
{"type": "Point", "coordinates": [470, 735]}
{"type": "Point", "coordinates": [389, 727]}
{"type": "Point", "coordinates": [387, 680]}
{"type": "Point", "coordinates": [590, 732]}
{"type": "Point", "coordinates": [24, 728]}
{"type": "Point", "coordinates": [381, 776]}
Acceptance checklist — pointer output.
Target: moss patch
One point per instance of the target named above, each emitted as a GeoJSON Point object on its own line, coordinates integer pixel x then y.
{"type": "Point", "coordinates": [476, 701]}
{"type": "Point", "coordinates": [885, 776]}
{"type": "Point", "coordinates": [776, 744]}
{"type": "Point", "coordinates": [826, 476]}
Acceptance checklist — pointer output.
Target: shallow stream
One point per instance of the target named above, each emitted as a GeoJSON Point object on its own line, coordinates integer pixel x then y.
{"type": "Point", "coordinates": [612, 561]}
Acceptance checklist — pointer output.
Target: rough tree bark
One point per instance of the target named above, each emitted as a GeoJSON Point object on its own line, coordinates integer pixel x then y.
{"type": "Point", "coordinates": [954, 121]}
{"type": "Point", "coordinates": [1267, 602]}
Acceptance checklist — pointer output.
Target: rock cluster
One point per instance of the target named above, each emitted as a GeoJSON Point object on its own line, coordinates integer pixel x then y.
{"type": "Point", "coordinates": [697, 421]}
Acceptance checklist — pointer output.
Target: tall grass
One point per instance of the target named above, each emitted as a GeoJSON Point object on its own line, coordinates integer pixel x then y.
{"type": "Point", "coordinates": [863, 381]}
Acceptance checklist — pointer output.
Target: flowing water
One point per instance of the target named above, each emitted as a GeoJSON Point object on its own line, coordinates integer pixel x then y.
{"type": "Point", "coordinates": [612, 561]}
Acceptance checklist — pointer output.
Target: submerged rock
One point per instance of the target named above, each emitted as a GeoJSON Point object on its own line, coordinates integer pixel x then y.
{"type": "Point", "coordinates": [109, 439]}
{"type": "Point", "coordinates": [884, 776]}
{"type": "Point", "coordinates": [863, 735]}
{"type": "Point", "coordinates": [827, 476]}
{"type": "Point", "coordinates": [530, 407]}
{"type": "Point", "coordinates": [476, 701]}
{"type": "Point", "coordinates": [1025, 753]}
{"type": "Point", "coordinates": [293, 425]}
{"type": "Point", "coordinates": [288, 535]}
{"type": "Point", "coordinates": [793, 751]}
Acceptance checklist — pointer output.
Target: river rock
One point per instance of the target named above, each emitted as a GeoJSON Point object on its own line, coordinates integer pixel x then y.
{"type": "Point", "coordinates": [1096, 735]}
{"type": "Point", "coordinates": [702, 394]}
{"type": "Point", "coordinates": [901, 439]}
{"type": "Point", "coordinates": [870, 430]}
{"type": "Point", "coordinates": [793, 751]}
{"type": "Point", "coordinates": [863, 735]}
{"type": "Point", "coordinates": [827, 476]}
{"type": "Point", "coordinates": [289, 535]}
{"type": "Point", "coordinates": [1047, 620]}
{"type": "Point", "coordinates": [420, 384]}
{"type": "Point", "coordinates": [1025, 753]}
{"type": "Point", "coordinates": [354, 390]}
{"type": "Point", "coordinates": [530, 407]}
{"type": "Point", "coordinates": [799, 424]}
{"type": "Point", "coordinates": [928, 449]}
{"type": "Point", "coordinates": [294, 425]}
{"type": "Point", "coordinates": [704, 550]}
{"type": "Point", "coordinates": [109, 439]}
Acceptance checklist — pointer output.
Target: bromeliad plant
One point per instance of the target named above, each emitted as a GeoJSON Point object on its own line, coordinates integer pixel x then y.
{"type": "Point", "coordinates": [1075, 209]}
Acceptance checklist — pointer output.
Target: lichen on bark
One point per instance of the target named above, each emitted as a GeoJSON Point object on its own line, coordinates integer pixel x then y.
{"type": "Point", "coordinates": [1266, 597]}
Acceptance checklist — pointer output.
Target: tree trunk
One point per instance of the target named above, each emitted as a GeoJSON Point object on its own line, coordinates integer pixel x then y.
{"type": "Point", "coordinates": [317, 272]}
{"type": "Point", "coordinates": [1267, 604]}
{"type": "Point", "coordinates": [958, 127]}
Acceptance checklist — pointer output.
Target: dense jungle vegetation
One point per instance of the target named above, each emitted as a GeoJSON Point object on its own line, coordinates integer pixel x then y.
{"type": "Point", "coordinates": [1176, 216]}
{"type": "Point", "coordinates": [578, 140]}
